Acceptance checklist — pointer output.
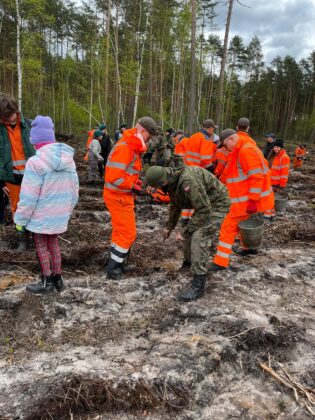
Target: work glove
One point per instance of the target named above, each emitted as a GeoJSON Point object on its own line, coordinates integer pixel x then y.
{"type": "Point", "coordinates": [20, 228]}
{"type": "Point", "coordinates": [251, 207]}
{"type": "Point", "coordinates": [137, 185]}
{"type": "Point", "coordinates": [101, 159]}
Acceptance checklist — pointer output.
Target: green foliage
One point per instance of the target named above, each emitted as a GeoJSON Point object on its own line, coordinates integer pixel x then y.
{"type": "Point", "coordinates": [65, 56]}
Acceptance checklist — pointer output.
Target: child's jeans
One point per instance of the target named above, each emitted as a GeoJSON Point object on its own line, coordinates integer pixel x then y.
{"type": "Point", "coordinates": [48, 252]}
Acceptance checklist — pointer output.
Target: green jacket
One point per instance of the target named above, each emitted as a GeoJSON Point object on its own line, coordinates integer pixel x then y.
{"type": "Point", "coordinates": [6, 171]}
{"type": "Point", "coordinates": [195, 188]}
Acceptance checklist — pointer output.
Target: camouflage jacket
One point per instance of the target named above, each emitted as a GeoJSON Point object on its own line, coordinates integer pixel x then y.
{"type": "Point", "coordinates": [195, 188]}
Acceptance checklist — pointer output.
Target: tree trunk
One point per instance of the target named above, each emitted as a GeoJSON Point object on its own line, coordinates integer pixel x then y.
{"type": "Point", "coordinates": [107, 58]}
{"type": "Point", "coordinates": [140, 58]}
{"type": "Point", "coordinates": [223, 61]}
{"type": "Point", "coordinates": [191, 106]}
{"type": "Point", "coordinates": [18, 53]}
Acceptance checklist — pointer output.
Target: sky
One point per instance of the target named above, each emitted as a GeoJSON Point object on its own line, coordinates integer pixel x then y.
{"type": "Point", "coordinates": [284, 27]}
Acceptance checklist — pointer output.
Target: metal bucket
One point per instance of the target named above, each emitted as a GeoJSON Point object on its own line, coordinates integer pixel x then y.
{"type": "Point", "coordinates": [252, 231]}
{"type": "Point", "coordinates": [280, 203]}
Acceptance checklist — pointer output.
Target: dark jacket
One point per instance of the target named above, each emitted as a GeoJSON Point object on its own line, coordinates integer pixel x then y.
{"type": "Point", "coordinates": [106, 146]}
{"type": "Point", "coordinates": [268, 149]}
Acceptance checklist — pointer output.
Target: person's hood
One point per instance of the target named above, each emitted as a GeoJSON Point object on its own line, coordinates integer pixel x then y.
{"type": "Point", "coordinates": [134, 141]}
{"type": "Point", "coordinates": [56, 157]}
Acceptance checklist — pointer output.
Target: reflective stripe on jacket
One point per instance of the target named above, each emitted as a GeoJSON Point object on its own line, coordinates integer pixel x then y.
{"type": "Point", "coordinates": [15, 149]}
{"type": "Point", "coordinates": [180, 146]}
{"type": "Point", "coordinates": [199, 150]}
{"type": "Point", "coordinates": [280, 169]}
{"type": "Point", "coordinates": [247, 177]}
{"type": "Point", "coordinates": [124, 162]}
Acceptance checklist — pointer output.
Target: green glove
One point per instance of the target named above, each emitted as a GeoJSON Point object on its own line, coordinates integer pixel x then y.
{"type": "Point", "coordinates": [20, 228]}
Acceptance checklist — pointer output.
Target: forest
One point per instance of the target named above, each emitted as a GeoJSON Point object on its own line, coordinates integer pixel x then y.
{"type": "Point", "coordinates": [83, 63]}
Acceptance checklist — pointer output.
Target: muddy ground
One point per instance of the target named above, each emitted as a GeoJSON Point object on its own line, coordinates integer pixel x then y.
{"type": "Point", "coordinates": [122, 350]}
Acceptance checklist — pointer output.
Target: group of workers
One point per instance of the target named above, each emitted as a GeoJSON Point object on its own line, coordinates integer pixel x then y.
{"type": "Point", "coordinates": [212, 184]}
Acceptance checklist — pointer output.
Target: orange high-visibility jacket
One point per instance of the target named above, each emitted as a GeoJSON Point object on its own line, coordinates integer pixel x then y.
{"type": "Point", "coordinates": [88, 142]}
{"type": "Point", "coordinates": [124, 163]}
{"type": "Point", "coordinates": [280, 169]}
{"type": "Point", "coordinates": [200, 150]}
{"type": "Point", "coordinates": [248, 178]}
{"type": "Point", "coordinates": [299, 152]}
{"type": "Point", "coordinates": [158, 195]}
{"type": "Point", "coordinates": [220, 159]}
{"type": "Point", "coordinates": [180, 146]}
{"type": "Point", "coordinates": [245, 136]}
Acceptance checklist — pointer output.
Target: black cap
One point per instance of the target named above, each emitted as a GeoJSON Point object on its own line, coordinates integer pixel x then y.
{"type": "Point", "coordinates": [270, 135]}
{"type": "Point", "coordinates": [279, 143]}
{"type": "Point", "coordinates": [228, 132]}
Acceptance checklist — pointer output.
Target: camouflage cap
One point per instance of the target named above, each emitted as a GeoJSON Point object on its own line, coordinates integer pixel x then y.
{"type": "Point", "coordinates": [178, 133]}
{"type": "Point", "coordinates": [149, 124]}
{"type": "Point", "coordinates": [156, 176]}
{"type": "Point", "coordinates": [226, 134]}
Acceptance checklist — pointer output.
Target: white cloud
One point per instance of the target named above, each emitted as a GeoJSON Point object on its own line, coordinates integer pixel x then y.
{"type": "Point", "coordinates": [285, 27]}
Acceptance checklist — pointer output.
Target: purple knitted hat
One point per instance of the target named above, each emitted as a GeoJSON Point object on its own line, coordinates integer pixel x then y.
{"type": "Point", "coordinates": [42, 130]}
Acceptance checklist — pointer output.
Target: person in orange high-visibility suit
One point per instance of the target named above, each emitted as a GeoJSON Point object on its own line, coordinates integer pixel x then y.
{"type": "Point", "coordinates": [248, 181]}
{"type": "Point", "coordinates": [15, 150]}
{"type": "Point", "coordinates": [122, 172]}
{"type": "Point", "coordinates": [299, 156]}
{"type": "Point", "coordinates": [199, 148]}
{"type": "Point", "coordinates": [279, 163]}
{"type": "Point", "coordinates": [180, 141]}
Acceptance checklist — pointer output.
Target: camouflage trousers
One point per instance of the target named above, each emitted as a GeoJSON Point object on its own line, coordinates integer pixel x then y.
{"type": "Point", "coordinates": [197, 245]}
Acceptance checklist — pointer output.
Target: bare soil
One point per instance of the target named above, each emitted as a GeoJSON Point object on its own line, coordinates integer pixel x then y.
{"type": "Point", "coordinates": [123, 350]}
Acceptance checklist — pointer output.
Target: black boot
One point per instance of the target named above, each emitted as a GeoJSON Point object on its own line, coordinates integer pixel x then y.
{"type": "Point", "coordinates": [114, 270]}
{"type": "Point", "coordinates": [23, 241]}
{"type": "Point", "coordinates": [245, 252]}
{"type": "Point", "coordinates": [185, 265]}
{"type": "Point", "coordinates": [215, 267]}
{"type": "Point", "coordinates": [43, 287]}
{"type": "Point", "coordinates": [58, 282]}
{"type": "Point", "coordinates": [195, 290]}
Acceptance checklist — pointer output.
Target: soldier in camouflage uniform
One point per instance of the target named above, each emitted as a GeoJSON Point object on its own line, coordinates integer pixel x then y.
{"type": "Point", "coordinates": [192, 187]}
{"type": "Point", "coordinates": [159, 148]}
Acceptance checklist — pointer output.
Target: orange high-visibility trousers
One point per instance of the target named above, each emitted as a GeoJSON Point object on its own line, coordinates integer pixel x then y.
{"type": "Point", "coordinates": [14, 195]}
{"type": "Point", "coordinates": [121, 208]}
{"type": "Point", "coordinates": [298, 163]}
{"type": "Point", "coordinates": [228, 232]}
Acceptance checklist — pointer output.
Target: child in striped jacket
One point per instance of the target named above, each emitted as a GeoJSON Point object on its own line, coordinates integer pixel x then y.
{"type": "Point", "coordinates": [49, 193]}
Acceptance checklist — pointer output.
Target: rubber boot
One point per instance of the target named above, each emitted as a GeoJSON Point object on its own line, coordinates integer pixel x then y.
{"type": "Point", "coordinates": [195, 290]}
{"type": "Point", "coordinates": [114, 270]}
{"type": "Point", "coordinates": [215, 267]}
{"type": "Point", "coordinates": [245, 252]}
{"type": "Point", "coordinates": [43, 287]}
{"type": "Point", "coordinates": [23, 241]}
{"type": "Point", "coordinates": [58, 282]}
{"type": "Point", "coordinates": [185, 265]}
